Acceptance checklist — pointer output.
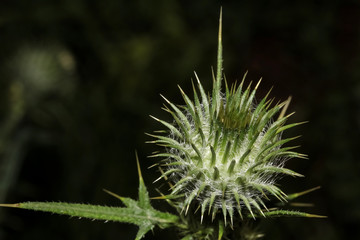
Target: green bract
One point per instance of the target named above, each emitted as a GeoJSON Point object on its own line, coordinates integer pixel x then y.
{"type": "Point", "coordinates": [223, 151]}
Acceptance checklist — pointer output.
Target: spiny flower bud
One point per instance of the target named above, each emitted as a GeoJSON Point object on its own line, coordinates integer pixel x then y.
{"type": "Point", "coordinates": [226, 152]}
{"type": "Point", "coordinates": [223, 153]}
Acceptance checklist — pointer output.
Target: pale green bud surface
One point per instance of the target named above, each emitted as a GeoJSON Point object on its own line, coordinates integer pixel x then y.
{"type": "Point", "coordinates": [223, 152]}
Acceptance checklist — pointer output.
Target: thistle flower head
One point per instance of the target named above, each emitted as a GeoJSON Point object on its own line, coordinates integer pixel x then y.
{"type": "Point", "coordinates": [223, 153]}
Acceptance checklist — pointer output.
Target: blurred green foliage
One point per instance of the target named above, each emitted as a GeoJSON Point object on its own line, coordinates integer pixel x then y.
{"type": "Point", "coordinates": [79, 78]}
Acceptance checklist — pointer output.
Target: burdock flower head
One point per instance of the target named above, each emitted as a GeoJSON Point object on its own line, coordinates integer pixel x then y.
{"type": "Point", "coordinates": [223, 152]}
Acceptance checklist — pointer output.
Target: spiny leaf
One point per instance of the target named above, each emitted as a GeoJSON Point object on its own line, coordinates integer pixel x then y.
{"type": "Point", "coordinates": [144, 201]}
{"type": "Point", "coordinates": [138, 212]}
{"type": "Point", "coordinates": [288, 213]}
{"type": "Point", "coordinates": [143, 229]}
{"type": "Point", "coordinates": [135, 215]}
{"type": "Point", "coordinates": [128, 202]}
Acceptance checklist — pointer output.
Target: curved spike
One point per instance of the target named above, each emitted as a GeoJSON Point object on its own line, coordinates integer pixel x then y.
{"type": "Point", "coordinates": [162, 139]}
{"type": "Point", "coordinates": [280, 170]}
{"type": "Point", "coordinates": [262, 203]}
{"type": "Point", "coordinates": [241, 160]}
{"type": "Point", "coordinates": [165, 177]}
{"type": "Point", "coordinates": [216, 139]}
{"type": "Point", "coordinates": [214, 211]}
{"type": "Point", "coordinates": [281, 129]}
{"type": "Point", "coordinates": [201, 188]}
{"type": "Point", "coordinates": [197, 209]}
{"type": "Point", "coordinates": [113, 194]}
{"type": "Point", "coordinates": [231, 167]}
{"type": "Point", "coordinates": [272, 146]}
{"type": "Point", "coordinates": [179, 113]}
{"type": "Point", "coordinates": [189, 200]}
{"type": "Point", "coordinates": [276, 192]}
{"type": "Point", "coordinates": [180, 184]}
{"type": "Point", "coordinates": [219, 55]}
{"type": "Point", "coordinates": [259, 188]}
{"type": "Point", "coordinates": [256, 205]}
{"type": "Point", "coordinates": [239, 89]}
{"type": "Point", "coordinates": [138, 166]}
{"type": "Point", "coordinates": [283, 111]}
{"type": "Point", "coordinates": [237, 199]}
{"type": "Point", "coordinates": [224, 187]}
{"type": "Point", "coordinates": [224, 210]}
{"type": "Point", "coordinates": [203, 208]}
{"type": "Point", "coordinates": [226, 153]}
{"type": "Point", "coordinates": [216, 174]}
{"type": "Point", "coordinates": [167, 156]}
{"type": "Point", "coordinates": [169, 126]}
{"type": "Point", "coordinates": [197, 153]}
{"type": "Point", "coordinates": [188, 102]}
{"type": "Point", "coordinates": [213, 157]}
{"type": "Point", "coordinates": [212, 199]}
{"type": "Point", "coordinates": [202, 136]}
{"type": "Point", "coordinates": [247, 204]}
{"type": "Point", "coordinates": [295, 195]}
{"type": "Point", "coordinates": [196, 100]}
{"type": "Point", "coordinates": [217, 81]}
{"type": "Point", "coordinates": [231, 214]}
{"type": "Point", "coordinates": [173, 170]}
{"type": "Point", "coordinates": [204, 99]}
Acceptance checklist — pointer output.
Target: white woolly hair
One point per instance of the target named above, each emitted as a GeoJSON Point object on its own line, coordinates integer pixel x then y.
{"type": "Point", "coordinates": [215, 185]}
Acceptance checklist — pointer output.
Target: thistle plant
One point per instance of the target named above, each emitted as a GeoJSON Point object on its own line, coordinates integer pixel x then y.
{"type": "Point", "coordinates": [221, 156]}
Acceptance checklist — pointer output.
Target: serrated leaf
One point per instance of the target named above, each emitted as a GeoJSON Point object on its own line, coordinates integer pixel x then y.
{"type": "Point", "coordinates": [133, 215]}
{"type": "Point", "coordinates": [143, 230]}
{"type": "Point", "coordinates": [144, 201]}
{"type": "Point", "coordinates": [128, 202]}
{"type": "Point", "coordinates": [289, 213]}
{"type": "Point", "coordinates": [138, 212]}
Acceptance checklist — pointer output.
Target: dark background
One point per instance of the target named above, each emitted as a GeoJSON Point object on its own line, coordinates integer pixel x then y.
{"type": "Point", "coordinates": [78, 80]}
